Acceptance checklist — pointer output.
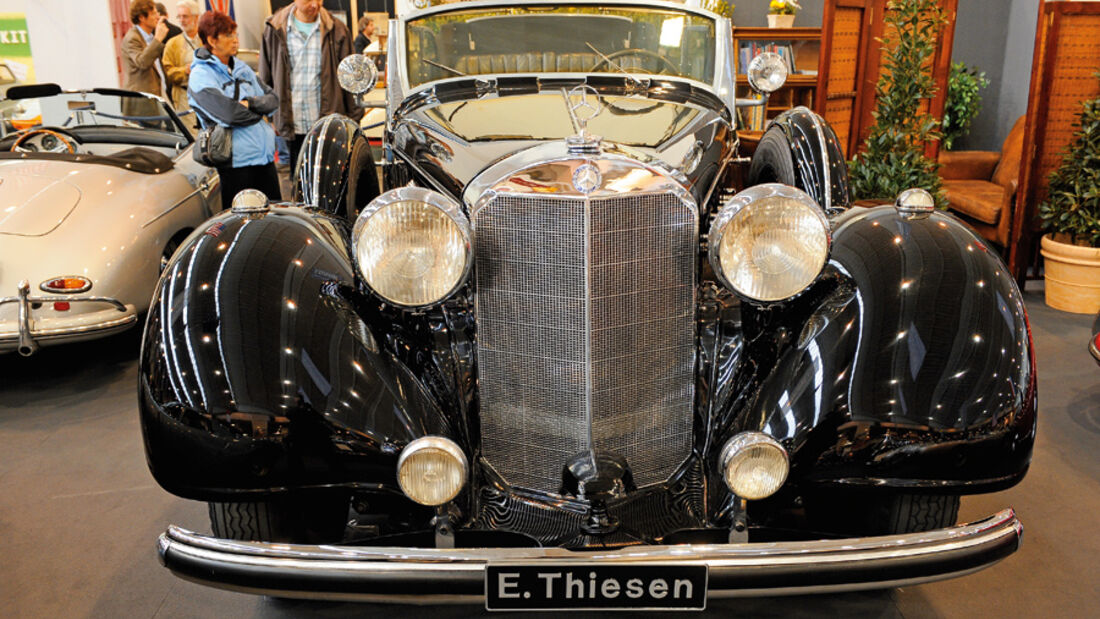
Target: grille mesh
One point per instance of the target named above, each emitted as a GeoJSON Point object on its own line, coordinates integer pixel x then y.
{"type": "Point", "coordinates": [585, 333]}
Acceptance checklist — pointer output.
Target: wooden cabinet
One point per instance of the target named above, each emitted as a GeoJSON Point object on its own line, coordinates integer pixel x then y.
{"type": "Point", "coordinates": [1063, 76]}
{"type": "Point", "coordinates": [800, 47]}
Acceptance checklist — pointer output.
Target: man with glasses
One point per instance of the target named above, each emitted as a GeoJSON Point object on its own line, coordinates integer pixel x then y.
{"type": "Point", "coordinates": [179, 52]}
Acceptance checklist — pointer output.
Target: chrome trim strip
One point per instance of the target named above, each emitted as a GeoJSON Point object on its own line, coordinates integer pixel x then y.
{"type": "Point", "coordinates": [588, 330]}
{"type": "Point", "coordinates": [827, 174]}
{"type": "Point", "coordinates": [481, 4]}
{"type": "Point", "coordinates": [174, 206]}
{"type": "Point", "coordinates": [329, 572]}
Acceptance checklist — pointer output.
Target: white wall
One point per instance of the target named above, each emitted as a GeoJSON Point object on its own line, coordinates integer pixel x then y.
{"type": "Point", "coordinates": [250, 21]}
{"type": "Point", "coordinates": [71, 43]}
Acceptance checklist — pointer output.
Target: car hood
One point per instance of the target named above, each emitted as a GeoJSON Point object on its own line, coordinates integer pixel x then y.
{"type": "Point", "coordinates": [35, 197]}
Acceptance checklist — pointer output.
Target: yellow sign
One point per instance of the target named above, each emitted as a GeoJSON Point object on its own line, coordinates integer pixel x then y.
{"type": "Point", "coordinates": [15, 51]}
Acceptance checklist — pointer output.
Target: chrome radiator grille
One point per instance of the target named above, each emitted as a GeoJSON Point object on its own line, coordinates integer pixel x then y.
{"type": "Point", "coordinates": [585, 333]}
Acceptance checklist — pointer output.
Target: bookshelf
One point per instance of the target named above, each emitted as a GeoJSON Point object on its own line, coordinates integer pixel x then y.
{"type": "Point", "coordinates": [801, 47]}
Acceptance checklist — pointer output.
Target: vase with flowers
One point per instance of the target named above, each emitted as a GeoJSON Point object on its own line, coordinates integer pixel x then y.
{"type": "Point", "coordinates": [781, 13]}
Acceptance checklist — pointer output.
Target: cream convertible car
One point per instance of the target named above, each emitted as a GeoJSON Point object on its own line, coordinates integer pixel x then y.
{"type": "Point", "coordinates": [94, 198]}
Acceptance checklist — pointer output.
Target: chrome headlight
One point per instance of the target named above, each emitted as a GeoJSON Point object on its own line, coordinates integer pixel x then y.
{"type": "Point", "coordinates": [431, 470]}
{"type": "Point", "coordinates": [412, 246]}
{"type": "Point", "coordinates": [767, 72]}
{"type": "Point", "coordinates": [754, 465]}
{"type": "Point", "coordinates": [769, 242]}
{"type": "Point", "coordinates": [357, 74]}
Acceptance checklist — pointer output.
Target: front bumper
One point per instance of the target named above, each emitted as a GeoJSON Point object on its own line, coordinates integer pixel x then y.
{"type": "Point", "coordinates": [28, 336]}
{"type": "Point", "coordinates": [432, 575]}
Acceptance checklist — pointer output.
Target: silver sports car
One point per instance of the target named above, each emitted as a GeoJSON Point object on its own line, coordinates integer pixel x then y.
{"type": "Point", "coordinates": [97, 189]}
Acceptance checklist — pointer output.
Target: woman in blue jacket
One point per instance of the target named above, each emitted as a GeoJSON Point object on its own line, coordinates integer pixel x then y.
{"type": "Point", "coordinates": [224, 90]}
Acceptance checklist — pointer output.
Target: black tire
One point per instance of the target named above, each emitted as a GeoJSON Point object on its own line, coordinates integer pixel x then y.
{"type": "Point", "coordinates": [911, 513]}
{"type": "Point", "coordinates": [863, 514]}
{"type": "Point", "coordinates": [772, 162]}
{"type": "Point", "coordinates": [312, 519]}
{"type": "Point", "coordinates": [362, 180]}
{"type": "Point", "coordinates": [171, 247]}
{"type": "Point", "coordinates": [262, 521]}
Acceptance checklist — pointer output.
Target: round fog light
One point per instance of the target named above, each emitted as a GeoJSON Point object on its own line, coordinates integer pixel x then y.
{"type": "Point", "coordinates": [754, 465]}
{"type": "Point", "coordinates": [431, 470]}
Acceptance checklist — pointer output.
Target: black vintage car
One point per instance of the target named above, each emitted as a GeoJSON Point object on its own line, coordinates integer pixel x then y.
{"type": "Point", "coordinates": [580, 353]}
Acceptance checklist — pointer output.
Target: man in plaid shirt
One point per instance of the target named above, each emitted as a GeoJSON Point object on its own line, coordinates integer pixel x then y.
{"type": "Point", "coordinates": [302, 47]}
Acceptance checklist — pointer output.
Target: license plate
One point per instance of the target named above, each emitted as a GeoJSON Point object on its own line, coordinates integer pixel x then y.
{"type": "Point", "coordinates": [595, 587]}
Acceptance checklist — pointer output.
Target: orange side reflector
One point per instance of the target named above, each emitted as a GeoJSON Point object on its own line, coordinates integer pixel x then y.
{"type": "Point", "coordinates": [67, 284]}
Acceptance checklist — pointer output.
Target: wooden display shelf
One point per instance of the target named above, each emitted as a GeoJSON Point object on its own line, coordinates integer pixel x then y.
{"type": "Point", "coordinates": [798, 79]}
{"type": "Point", "coordinates": [801, 47]}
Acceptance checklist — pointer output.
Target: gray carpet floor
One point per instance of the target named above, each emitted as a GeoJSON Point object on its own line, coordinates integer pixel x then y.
{"type": "Point", "coordinates": [79, 511]}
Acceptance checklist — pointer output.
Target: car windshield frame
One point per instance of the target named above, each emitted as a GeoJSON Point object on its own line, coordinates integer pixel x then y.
{"type": "Point", "coordinates": [711, 37]}
{"type": "Point", "coordinates": [83, 110]}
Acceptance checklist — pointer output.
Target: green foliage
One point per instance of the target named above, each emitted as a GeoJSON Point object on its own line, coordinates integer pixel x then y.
{"type": "Point", "coordinates": [894, 157]}
{"type": "Point", "coordinates": [725, 9]}
{"type": "Point", "coordinates": [963, 101]}
{"type": "Point", "coordinates": [783, 7]}
{"type": "Point", "coordinates": [1072, 206]}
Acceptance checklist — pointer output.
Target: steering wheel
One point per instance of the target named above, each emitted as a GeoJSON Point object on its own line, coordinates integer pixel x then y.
{"type": "Point", "coordinates": [645, 53]}
{"type": "Point", "coordinates": [64, 140]}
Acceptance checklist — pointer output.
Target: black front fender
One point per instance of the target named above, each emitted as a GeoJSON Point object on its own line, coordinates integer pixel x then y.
{"type": "Point", "coordinates": [261, 370]}
{"type": "Point", "coordinates": [909, 364]}
{"type": "Point", "coordinates": [819, 165]}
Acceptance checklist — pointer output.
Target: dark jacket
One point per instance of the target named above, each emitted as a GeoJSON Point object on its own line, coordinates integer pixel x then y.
{"type": "Point", "coordinates": [361, 43]}
{"type": "Point", "coordinates": [275, 68]}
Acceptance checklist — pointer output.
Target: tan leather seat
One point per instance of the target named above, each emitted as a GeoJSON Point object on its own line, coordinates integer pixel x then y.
{"type": "Point", "coordinates": [981, 185]}
{"type": "Point", "coordinates": [480, 64]}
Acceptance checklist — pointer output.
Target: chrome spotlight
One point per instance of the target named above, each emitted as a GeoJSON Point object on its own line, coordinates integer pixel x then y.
{"type": "Point", "coordinates": [767, 72]}
{"type": "Point", "coordinates": [915, 203]}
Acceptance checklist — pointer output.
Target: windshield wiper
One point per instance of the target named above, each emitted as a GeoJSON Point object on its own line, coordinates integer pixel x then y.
{"type": "Point", "coordinates": [444, 67]}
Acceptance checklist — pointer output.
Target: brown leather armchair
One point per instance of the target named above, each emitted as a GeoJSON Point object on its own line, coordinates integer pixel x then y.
{"type": "Point", "coordinates": [980, 186]}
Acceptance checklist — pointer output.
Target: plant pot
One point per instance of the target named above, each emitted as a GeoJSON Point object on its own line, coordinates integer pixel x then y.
{"type": "Point", "coordinates": [780, 21]}
{"type": "Point", "coordinates": [1072, 275]}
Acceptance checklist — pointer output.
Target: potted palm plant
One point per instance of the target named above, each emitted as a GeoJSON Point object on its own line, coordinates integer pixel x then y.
{"type": "Point", "coordinates": [893, 158]}
{"type": "Point", "coordinates": [1071, 218]}
{"type": "Point", "coordinates": [781, 13]}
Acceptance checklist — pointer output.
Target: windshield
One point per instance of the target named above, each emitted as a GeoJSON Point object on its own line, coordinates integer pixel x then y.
{"type": "Point", "coordinates": [81, 111]}
{"type": "Point", "coordinates": [560, 39]}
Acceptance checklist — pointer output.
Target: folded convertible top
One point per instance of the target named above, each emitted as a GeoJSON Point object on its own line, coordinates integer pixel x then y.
{"type": "Point", "coordinates": [136, 159]}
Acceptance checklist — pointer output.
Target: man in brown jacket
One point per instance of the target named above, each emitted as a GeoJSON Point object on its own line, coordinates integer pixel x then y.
{"type": "Point", "coordinates": [141, 48]}
{"type": "Point", "coordinates": [306, 79]}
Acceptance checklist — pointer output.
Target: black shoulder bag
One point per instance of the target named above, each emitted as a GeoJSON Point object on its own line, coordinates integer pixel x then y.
{"type": "Point", "coordinates": [214, 143]}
